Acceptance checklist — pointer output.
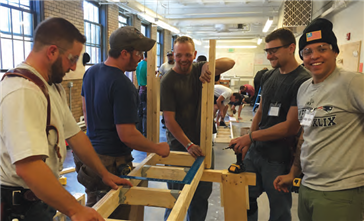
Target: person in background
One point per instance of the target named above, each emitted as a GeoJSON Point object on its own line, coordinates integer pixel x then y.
{"type": "Point", "coordinates": [32, 149]}
{"type": "Point", "coordinates": [247, 92]}
{"type": "Point", "coordinates": [165, 67]}
{"type": "Point", "coordinates": [201, 58]}
{"type": "Point", "coordinates": [222, 97]}
{"type": "Point", "coordinates": [331, 112]}
{"type": "Point", "coordinates": [257, 80]}
{"type": "Point", "coordinates": [110, 104]}
{"type": "Point", "coordinates": [141, 74]}
{"type": "Point", "coordinates": [266, 150]}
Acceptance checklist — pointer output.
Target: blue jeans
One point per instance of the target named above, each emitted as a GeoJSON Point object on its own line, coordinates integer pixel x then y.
{"type": "Point", "coordinates": [197, 210]}
{"type": "Point", "coordinates": [266, 172]}
{"type": "Point", "coordinates": [142, 112]}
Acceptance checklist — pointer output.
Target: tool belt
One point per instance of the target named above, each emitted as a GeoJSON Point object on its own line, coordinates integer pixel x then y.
{"type": "Point", "coordinates": [14, 200]}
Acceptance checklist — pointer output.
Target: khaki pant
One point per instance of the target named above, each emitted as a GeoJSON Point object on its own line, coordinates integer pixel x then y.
{"type": "Point", "coordinates": [95, 188]}
{"type": "Point", "coordinates": [343, 205]}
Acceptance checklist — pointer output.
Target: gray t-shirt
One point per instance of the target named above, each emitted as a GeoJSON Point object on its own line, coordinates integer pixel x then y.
{"type": "Point", "coordinates": [182, 94]}
{"type": "Point", "coordinates": [332, 154]}
{"type": "Point", "coordinates": [165, 67]}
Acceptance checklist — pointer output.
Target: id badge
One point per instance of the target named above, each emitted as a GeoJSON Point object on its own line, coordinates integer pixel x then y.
{"type": "Point", "coordinates": [274, 109]}
{"type": "Point", "coordinates": [308, 118]}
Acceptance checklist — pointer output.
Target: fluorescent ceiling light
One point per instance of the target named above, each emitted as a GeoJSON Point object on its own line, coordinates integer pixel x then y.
{"type": "Point", "coordinates": [268, 24]}
{"type": "Point", "coordinates": [158, 22]}
{"type": "Point", "coordinates": [259, 40]}
{"type": "Point", "coordinates": [232, 46]}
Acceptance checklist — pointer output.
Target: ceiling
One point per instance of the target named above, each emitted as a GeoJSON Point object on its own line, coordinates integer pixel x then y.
{"type": "Point", "coordinates": [239, 20]}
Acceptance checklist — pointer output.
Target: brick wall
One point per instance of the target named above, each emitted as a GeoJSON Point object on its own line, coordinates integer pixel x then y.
{"type": "Point", "coordinates": [76, 103]}
{"type": "Point", "coordinates": [112, 20]}
{"type": "Point", "coordinates": [136, 22]}
{"type": "Point", "coordinates": [70, 10]}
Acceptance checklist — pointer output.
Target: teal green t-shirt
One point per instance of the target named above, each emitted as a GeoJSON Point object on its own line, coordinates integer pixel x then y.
{"type": "Point", "coordinates": [141, 73]}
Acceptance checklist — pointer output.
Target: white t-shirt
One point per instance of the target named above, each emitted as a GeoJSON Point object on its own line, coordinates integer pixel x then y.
{"type": "Point", "coordinates": [224, 91]}
{"type": "Point", "coordinates": [165, 67]}
{"type": "Point", "coordinates": [23, 119]}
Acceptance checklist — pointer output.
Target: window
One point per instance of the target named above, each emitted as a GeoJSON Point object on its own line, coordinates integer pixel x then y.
{"type": "Point", "coordinates": [144, 29]}
{"type": "Point", "coordinates": [159, 48]}
{"type": "Point", "coordinates": [92, 31]}
{"type": "Point", "coordinates": [123, 21]}
{"type": "Point", "coordinates": [17, 23]}
{"type": "Point", "coordinates": [174, 37]}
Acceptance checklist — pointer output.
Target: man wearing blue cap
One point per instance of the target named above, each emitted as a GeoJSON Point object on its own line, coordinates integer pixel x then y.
{"type": "Point", "coordinates": [331, 112]}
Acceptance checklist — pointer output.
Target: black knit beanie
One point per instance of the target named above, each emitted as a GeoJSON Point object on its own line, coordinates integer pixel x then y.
{"type": "Point", "coordinates": [319, 30]}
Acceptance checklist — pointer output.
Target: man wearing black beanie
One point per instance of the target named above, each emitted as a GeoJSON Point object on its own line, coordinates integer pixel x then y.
{"type": "Point", "coordinates": [331, 112]}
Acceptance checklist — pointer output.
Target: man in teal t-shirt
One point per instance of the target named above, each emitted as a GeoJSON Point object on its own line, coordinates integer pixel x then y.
{"type": "Point", "coordinates": [141, 74]}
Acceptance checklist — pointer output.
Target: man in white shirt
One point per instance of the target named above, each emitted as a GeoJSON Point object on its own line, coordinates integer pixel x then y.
{"type": "Point", "coordinates": [222, 97]}
{"type": "Point", "coordinates": [31, 158]}
{"type": "Point", "coordinates": [165, 67]}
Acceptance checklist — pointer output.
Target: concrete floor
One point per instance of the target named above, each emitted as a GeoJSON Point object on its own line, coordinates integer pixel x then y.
{"type": "Point", "coordinates": [223, 159]}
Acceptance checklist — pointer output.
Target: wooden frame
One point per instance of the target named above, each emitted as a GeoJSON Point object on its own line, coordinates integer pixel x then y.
{"type": "Point", "coordinates": [234, 186]}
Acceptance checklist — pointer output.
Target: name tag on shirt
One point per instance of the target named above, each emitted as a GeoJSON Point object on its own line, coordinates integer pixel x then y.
{"type": "Point", "coordinates": [308, 118]}
{"type": "Point", "coordinates": [274, 109]}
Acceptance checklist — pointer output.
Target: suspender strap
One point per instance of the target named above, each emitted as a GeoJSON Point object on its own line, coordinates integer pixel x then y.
{"type": "Point", "coordinates": [24, 73]}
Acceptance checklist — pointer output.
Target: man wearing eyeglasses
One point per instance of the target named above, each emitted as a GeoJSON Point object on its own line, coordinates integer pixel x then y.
{"type": "Point", "coordinates": [33, 149]}
{"type": "Point", "coordinates": [110, 105]}
{"type": "Point", "coordinates": [331, 112]}
{"type": "Point", "coordinates": [274, 125]}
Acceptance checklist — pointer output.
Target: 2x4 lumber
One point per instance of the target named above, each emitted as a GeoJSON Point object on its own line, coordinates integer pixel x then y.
{"type": "Point", "coordinates": [165, 172]}
{"type": "Point", "coordinates": [67, 170]}
{"type": "Point", "coordinates": [152, 97]}
{"type": "Point", "coordinates": [235, 195]}
{"type": "Point", "coordinates": [110, 201]}
{"type": "Point", "coordinates": [180, 208]}
{"type": "Point", "coordinates": [176, 158]}
{"type": "Point", "coordinates": [149, 197]}
{"type": "Point", "coordinates": [207, 107]}
{"type": "Point", "coordinates": [137, 211]}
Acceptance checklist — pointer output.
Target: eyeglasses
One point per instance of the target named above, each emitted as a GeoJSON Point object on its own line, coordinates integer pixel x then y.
{"type": "Point", "coordinates": [139, 53]}
{"type": "Point", "coordinates": [274, 50]}
{"type": "Point", "coordinates": [71, 58]}
{"type": "Point", "coordinates": [321, 49]}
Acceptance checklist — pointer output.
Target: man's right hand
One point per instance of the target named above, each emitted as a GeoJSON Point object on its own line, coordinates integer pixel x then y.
{"type": "Point", "coordinates": [283, 182]}
{"type": "Point", "coordinates": [163, 149]}
{"type": "Point", "coordinates": [86, 214]}
{"type": "Point", "coordinates": [195, 151]}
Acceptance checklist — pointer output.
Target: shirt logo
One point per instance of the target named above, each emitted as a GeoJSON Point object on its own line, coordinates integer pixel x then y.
{"type": "Point", "coordinates": [313, 35]}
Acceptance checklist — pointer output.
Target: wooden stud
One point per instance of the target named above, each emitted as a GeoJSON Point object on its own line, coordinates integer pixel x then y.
{"type": "Point", "coordinates": [149, 197]}
{"type": "Point", "coordinates": [179, 210]}
{"type": "Point", "coordinates": [176, 158]}
{"type": "Point", "coordinates": [234, 193]}
{"type": "Point", "coordinates": [207, 107]}
{"type": "Point", "coordinates": [151, 96]}
{"type": "Point", "coordinates": [137, 210]}
{"type": "Point", "coordinates": [67, 170]}
{"type": "Point", "coordinates": [163, 172]}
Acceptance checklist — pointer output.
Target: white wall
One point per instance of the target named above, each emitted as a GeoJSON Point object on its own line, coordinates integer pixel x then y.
{"type": "Point", "coordinates": [349, 19]}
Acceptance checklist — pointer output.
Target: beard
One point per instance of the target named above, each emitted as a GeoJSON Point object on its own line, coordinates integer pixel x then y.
{"type": "Point", "coordinates": [57, 72]}
{"type": "Point", "coordinates": [132, 64]}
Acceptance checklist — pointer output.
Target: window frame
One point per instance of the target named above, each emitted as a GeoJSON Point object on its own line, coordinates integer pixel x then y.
{"type": "Point", "coordinates": [35, 9]}
{"type": "Point", "coordinates": [128, 20]}
{"type": "Point", "coordinates": [101, 24]}
{"type": "Point", "coordinates": [160, 44]}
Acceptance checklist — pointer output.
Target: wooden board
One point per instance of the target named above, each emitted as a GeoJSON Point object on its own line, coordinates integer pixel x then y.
{"type": "Point", "coordinates": [349, 56]}
{"type": "Point", "coordinates": [207, 109]}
